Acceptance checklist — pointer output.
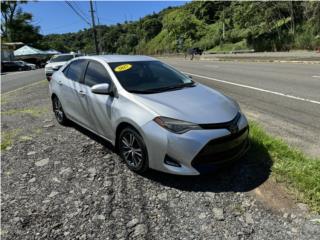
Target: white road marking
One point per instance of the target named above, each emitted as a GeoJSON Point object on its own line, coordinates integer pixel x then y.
{"type": "Point", "coordinates": [25, 86]}
{"type": "Point", "coordinates": [255, 88]}
{"type": "Point", "coordinates": [315, 76]}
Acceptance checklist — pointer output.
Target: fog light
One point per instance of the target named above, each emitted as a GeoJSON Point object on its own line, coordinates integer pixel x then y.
{"type": "Point", "coordinates": [170, 161]}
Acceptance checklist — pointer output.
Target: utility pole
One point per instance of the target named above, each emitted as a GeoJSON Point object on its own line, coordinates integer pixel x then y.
{"type": "Point", "coordinates": [94, 28]}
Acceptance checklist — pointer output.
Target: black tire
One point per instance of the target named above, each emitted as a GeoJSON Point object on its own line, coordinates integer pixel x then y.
{"type": "Point", "coordinates": [58, 111]}
{"type": "Point", "coordinates": [133, 152]}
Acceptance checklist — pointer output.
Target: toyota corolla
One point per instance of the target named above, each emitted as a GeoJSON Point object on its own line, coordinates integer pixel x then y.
{"type": "Point", "coordinates": [155, 116]}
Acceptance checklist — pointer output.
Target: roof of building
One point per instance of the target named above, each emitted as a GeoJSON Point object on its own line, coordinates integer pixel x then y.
{"type": "Point", "coordinates": [27, 50]}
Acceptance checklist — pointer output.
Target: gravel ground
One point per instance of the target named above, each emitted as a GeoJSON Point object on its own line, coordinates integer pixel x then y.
{"type": "Point", "coordinates": [64, 183]}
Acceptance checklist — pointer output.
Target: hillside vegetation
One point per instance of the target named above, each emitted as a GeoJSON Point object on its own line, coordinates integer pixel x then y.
{"type": "Point", "coordinates": [216, 26]}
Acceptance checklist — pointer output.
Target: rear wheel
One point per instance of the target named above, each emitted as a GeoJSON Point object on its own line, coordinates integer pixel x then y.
{"type": "Point", "coordinates": [133, 151]}
{"type": "Point", "coordinates": [58, 111]}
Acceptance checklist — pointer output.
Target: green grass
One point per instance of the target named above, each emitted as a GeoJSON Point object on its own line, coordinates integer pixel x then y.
{"type": "Point", "coordinates": [3, 100]}
{"type": "Point", "coordinates": [7, 138]}
{"type": "Point", "coordinates": [228, 47]}
{"type": "Point", "coordinates": [31, 111]}
{"type": "Point", "coordinates": [300, 173]}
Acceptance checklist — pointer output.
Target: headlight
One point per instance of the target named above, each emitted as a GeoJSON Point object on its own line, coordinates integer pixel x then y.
{"type": "Point", "coordinates": [176, 126]}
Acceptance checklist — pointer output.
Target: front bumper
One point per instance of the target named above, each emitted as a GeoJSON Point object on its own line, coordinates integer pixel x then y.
{"type": "Point", "coordinates": [48, 72]}
{"type": "Point", "coordinates": [196, 151]}
{"type": "Point", "coordinates": [222, 150]}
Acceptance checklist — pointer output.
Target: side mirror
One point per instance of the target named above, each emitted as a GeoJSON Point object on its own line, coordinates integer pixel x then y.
{"type": "Point", "coordinates": [56, 68]}
{"type": "Point", "coordinates": [189, 76]}
{"type": "Point", "coordinates": [103, 88]}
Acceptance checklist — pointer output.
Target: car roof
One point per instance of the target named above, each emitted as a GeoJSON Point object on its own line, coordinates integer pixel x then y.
{"type": "Point", "coordinates": [121, 58]}
{"type": "Point", "coordinates": [63, 54]}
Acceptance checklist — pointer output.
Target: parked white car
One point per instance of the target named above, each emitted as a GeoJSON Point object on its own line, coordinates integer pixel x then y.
{"type": "Point", "coordinates": [154, 116]}
{"type": "Point", "coordinates": [56, 62]}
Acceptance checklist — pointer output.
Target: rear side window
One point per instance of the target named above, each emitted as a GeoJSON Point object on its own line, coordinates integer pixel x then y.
{"type": "Point", "coordinates": [96, 74]}
{"type": "Point", "coordinates": [75, 70]}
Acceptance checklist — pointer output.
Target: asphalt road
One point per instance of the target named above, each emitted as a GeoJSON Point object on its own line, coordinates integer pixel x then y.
{"type": "Point", "coordinates": [14, 80]}
{"type": "Point", "coordinates": [283, 97]}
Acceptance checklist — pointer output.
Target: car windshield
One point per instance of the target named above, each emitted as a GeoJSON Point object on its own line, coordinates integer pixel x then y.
{"type": "Point", "coordinates": [20, 63]}
{"type": "Point", "coordinates": [149, 77]}
{"type": "Point", "coordinates": [61, 58]}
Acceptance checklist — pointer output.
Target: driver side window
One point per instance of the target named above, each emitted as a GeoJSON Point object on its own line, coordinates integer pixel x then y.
{"type": "Point", "coordinates": [96, 74]}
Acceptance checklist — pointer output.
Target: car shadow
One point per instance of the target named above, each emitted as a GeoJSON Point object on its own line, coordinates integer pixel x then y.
{"type": "Point", "coordinates": [92, 136]}
{"type": "Point", "coordinates": [244, 175]}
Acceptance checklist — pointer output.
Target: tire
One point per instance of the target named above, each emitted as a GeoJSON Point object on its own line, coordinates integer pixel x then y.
{"type": "Point", "coordinates": [132, 150]}
{"type": "Point", "coordinates": [58, 111]}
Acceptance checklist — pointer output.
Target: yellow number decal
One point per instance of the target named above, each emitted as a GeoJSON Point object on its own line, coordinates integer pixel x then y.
{"type": "Point", "coordinates": [123, 67]}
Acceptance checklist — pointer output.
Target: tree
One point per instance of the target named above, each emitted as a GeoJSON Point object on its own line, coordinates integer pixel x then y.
{"type": "Point", "coordinates": [183, 26]}
{"type": "Point", "coordinates": [151, 27]}
{"type": "Point", "coordinates": [8, 11]}
{"type": "Point", "coordinates": [16, 25]}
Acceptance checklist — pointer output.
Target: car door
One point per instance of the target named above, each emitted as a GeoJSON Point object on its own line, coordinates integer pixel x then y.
{"type": "Point", "coordinates": [73, 93]}
{"type": "Point", "coordinates": [98, 106]}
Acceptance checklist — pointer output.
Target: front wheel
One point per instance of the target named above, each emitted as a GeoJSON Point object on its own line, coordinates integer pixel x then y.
{"type": "Point", "coordinates": [58, 111]}
{"type": "Point", "coordinates": [132, 150]}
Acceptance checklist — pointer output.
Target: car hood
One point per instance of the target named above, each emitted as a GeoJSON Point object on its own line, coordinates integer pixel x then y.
{"type": "Point", "coordinates": [55, 64]}
{"type": "Point", "coordinates": [198, 104]}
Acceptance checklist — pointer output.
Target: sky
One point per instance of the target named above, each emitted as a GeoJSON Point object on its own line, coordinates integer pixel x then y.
{"type": "Point", "coordinates": [58, 17]}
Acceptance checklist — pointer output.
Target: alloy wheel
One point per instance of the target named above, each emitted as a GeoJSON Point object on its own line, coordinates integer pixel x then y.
{"type": "Point", "coordinates": [131, 149]}
{"type": "Point", "coordinates": [58, 111]}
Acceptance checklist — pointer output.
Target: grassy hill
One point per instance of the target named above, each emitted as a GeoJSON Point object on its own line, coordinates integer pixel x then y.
{"type": "Point", "coordinates": [217, 26]}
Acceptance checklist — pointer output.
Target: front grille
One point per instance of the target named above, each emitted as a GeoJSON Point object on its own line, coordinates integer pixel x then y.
{"type": "Point", "coordinates": [222, 150]}
{"type": "Point", "coordinates": [226, 125]}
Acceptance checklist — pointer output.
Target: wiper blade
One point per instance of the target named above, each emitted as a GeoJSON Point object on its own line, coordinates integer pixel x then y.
{"type": "Point", "coordinates": [180, 86]}
{"type": "Point", "coordinates": [142, 91]}
{"type": "Point", "coordinates": [163, 89]}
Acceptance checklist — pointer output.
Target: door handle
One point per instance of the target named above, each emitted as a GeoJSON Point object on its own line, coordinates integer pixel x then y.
{"type": "Point", "coordinates": [82, 93]}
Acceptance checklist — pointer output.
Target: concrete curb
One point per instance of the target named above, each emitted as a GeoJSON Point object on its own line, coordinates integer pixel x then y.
{"type": "Point", "coordinates": [242, 60]}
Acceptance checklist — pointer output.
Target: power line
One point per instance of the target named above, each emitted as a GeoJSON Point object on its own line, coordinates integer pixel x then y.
{"type": "Point", "coordinates": [98, 29]}
{"type": "Point", "coordinates": [94, 28]}
{"type": "Point", "coordinates": [96, 7]}
{"type": "Point", "coordinates": [83, 18]}
{"type": "Point", "coordinates": [76, 4]}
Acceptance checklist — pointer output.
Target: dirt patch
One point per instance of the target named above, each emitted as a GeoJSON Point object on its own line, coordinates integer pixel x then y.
{"type": "Point", "coordinates": [276, 196]}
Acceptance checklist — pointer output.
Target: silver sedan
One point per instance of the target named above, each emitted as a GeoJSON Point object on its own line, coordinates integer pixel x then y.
{"type": "Point", "coordinates": [155, 116]}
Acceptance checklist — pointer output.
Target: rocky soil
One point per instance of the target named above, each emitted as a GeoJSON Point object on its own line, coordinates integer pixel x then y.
{"type": "Point", "coordinates": [64, 183]}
